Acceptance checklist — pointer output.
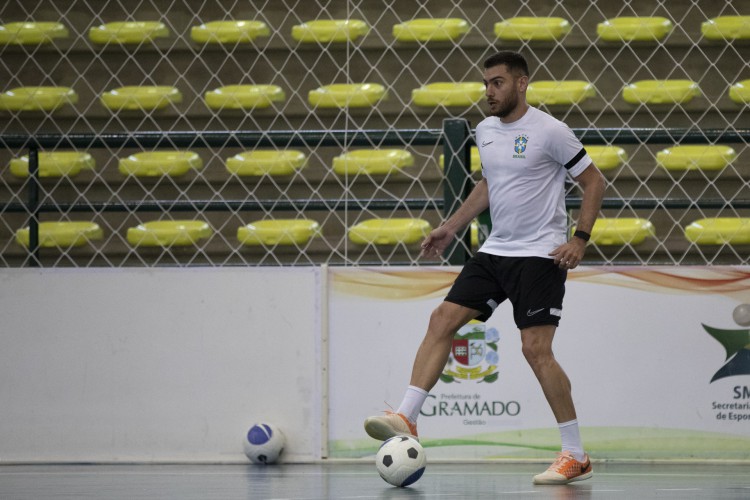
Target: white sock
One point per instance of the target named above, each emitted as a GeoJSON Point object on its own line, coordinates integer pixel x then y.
{"type": "Point", "coordinates": [412, 403]}
{"type": "Point", "coordinates": [571, 439]}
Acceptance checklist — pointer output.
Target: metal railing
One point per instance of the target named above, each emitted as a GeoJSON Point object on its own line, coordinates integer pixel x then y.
{"type": "Point", "coordinates": [456, 137]}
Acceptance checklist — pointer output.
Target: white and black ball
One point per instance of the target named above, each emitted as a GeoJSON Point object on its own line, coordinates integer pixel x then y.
{"type": "Point", "coordinates": [401, 460]}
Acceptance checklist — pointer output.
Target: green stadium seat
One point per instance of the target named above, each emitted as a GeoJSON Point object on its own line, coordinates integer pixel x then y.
{"type": "Point", "coordinates": [476, 162]}
{"type": "Point", "coordinates": [260, 162]}
{"type": "Point", "coordinates": [330, 30]}
{"type": "Point", "coordinates": [244, 97]}
{"type": "Point", "coordinates": [380, 231]}
{"type": "Point", "coordinates": [168, 233]}
{"type": "Point", "coordinates": [54, 164]}
{"type": "Point", "coordinates": [62, 234]}
{"type": "Point", "coordinates": [37, 98]}
{"type": "Point", "coordinates": [159, 163]}
{"type": "Point", "coordinates": [31, 33]}
{"type": "Point", "coordinates": [556, 93]}
{"type": "Point", "coordinates": [607, 157]}
{"type": "Point", "coordinates": [229, 32]}
{"type": "Point", "coordinates": [545, 29]}
{"type": "Point", "coordinates": [448, 94]}
{"type": "Point", "coordinates": [141, 98]}
{"type": "Point", "coordinates": [431, 30]}
{"type": "Point", "coordinates": [696, 157]}
{"type": "Point", "coordinates": [347, 95]}
{"type": "Point", "coordinates": [621, 231]}
{"type": "Point", "coordinates": [634, 29]}
{"type": "Point", "coordinates": [278, 232]}
{"type": "Point", "coordinates": [661, 92]}
{"type": "Point", "coordinates": [128, 32]}
{"type": "Point", "coordinates": [726, 28]}
{"type": "Point", "coordinates": [372, 161]}
{"type": "Point", "coordinates": [719, 231]}
{"type": "Point", "coordinates": [740, 92]}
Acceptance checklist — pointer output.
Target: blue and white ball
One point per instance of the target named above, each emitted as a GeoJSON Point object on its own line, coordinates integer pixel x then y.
{"type": "Point", "coordinates": [264, 443]}
{"type": "Point", "coordinates": [401, 461]}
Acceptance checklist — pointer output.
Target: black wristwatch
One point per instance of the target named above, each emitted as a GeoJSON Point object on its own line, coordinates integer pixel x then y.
{"type": "Point", "coordinates": [583, 235]}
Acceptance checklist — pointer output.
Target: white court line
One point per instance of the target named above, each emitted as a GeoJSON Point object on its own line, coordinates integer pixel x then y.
{"type": "Point", "coordinates": [405, 494]}
{"type": "Point", "coordinates": [678, 489]}
{"type": "Point", "coordinates": [113, 472]}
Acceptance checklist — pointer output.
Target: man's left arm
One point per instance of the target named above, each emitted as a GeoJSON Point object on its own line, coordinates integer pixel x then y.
{"type": "Point", "coordinates": [593, 184]}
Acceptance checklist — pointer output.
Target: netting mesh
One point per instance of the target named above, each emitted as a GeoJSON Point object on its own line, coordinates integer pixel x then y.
{"type": "Point", "coordinates": [175, 59]}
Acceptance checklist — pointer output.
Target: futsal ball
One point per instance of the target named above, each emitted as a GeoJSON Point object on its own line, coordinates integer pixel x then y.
{"type": "Point", "coordinates": [741, 314]}
{"type": "Point", "coordinates": [264, 443]}
{"type": "Point", "coordinates": [401, 461]}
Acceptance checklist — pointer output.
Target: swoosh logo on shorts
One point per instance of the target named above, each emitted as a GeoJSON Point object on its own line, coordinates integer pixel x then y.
{"type": "Point", "coordinates": [486, 143]}
{"type": "Point", "coordinates": [531, 313]}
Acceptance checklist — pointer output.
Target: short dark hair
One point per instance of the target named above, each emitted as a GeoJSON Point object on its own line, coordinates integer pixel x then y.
{"type": "Point", "coordinates": [515, 62]}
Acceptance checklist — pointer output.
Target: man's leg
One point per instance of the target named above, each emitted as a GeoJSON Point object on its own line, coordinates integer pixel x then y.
{"type": "Point", "coordinates": [435, 348]}
{"type": "Point", "coordinates": [429, 363]}
{"type": "Point", "coordinates": [572, 464]}
{"type": "Point", "coordinates": [536, 343]}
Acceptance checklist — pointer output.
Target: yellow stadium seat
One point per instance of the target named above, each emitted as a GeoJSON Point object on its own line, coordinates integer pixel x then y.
{"type": "Point", "coordinates": [660, 92]}
{"type": "Point", "coordinates": [532, 28]}
{"type": "Point", "coordinates": [695, 157]}
{"type": "Point", "coordinates": [244, 96]}
{"type": "Point", "coordinates": [143, 98]}
{"type": "Point", "coordinates": [330, 30]}
{"type": "Point", "coordinates": [431, 30]}
{"type": "Point", "coordinates": [345, 95]}
{"type": "Point", "coordinates": [389, 231]}
{"type": "Point", "coordinates": [54, 164]}
{"type": "Point", "coordinates": [607, 157]}
{"type": "Point", "coordinates": [621, 231]}
{"type": "Point", "coordinates": [740, 92]}
{"type": "Point", "coordinates": [128, 32]}
{"type": "Point", "coordinates": [229, 31]}
{"type": "Point", "coordinates": [31, 33]}
{"type": "Point", "coordinates": [719, 230]}
{"type": "Point", "coordinates": [157, 163]}
{"type": "Point", "coordinates": [634, 29]}
{"type": "Point", "coordinates": [448, 94]}
{"type": "Point", "coordinates": [474, 233]}
{"type": "Point", "coordinates": [553, 93]}
{"type": "Point", "coordinates": [372, 161]}
{"type": "Point", "coordinates": [278, 232]}
{"type": "Point", "coordinates": [37, 98]}
{"type": "Point", "coordinates": [62, 234]}
{"type": "Point", "coordinates": [726, 28]}
{"type": "Point", "coordinates": [259, 162]}
{"type": "Point", "coordinates": [476, 162]}
{"type": "Point", "coordinates": [167, 233]}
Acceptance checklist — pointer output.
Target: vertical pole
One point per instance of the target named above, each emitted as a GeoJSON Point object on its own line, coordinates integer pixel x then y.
{"type": "Point", "coordinates": [325, 361]}
{"type": "Point", "coordinates": [457, 185]}
{"type": "Point", "coordinates": [33, 206]}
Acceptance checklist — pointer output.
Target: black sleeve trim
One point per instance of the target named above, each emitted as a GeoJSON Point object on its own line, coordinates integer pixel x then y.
{"type": "Point", "coordinates": [575, 159]}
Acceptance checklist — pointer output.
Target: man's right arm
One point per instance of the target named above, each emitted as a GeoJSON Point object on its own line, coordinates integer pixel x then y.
{"type": "Point", "coordinates": [439, 239]}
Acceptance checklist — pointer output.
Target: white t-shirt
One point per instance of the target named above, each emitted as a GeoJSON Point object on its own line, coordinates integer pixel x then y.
{"type": "Point", "coordinates": [525, 163]}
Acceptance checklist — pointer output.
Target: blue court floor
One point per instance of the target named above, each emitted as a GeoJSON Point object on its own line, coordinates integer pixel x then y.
{"type": "Point", "coordinates": [360, 481]}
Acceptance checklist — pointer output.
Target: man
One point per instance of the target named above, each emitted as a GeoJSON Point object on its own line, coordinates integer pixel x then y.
{"type": "Point", "coordinates": [526, 155]}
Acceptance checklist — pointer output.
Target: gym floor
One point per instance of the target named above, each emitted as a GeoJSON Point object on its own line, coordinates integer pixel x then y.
{"type": "Point", "coordinates": [469, 481]}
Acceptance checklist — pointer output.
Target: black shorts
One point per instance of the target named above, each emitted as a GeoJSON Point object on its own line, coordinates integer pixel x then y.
{"type": "Point", "coordinates": [534, 285]}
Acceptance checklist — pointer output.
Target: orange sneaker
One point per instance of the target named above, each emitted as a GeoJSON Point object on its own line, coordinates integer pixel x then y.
{"type": "Point", "coordinates": [566, 469]}
{"type": "Point", "coordinates": [389, 425]}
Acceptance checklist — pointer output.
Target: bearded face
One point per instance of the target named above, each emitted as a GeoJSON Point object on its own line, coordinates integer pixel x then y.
{"type": "Point", "coordinates": [503, 90]}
